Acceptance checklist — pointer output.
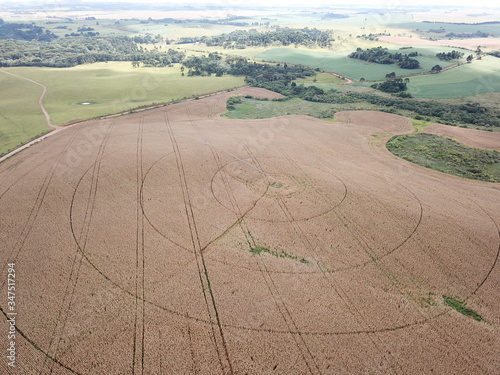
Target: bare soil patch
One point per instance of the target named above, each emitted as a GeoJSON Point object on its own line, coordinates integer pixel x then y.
{"type": "Point", "coordinates": [133, 239]}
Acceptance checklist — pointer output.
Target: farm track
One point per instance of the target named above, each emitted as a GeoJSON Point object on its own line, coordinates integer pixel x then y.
{"type": "Point", "coordinates": [69, 294]}
{"type": "Point", "coordinates": [179, 289]}
{"type": "Point", "coordinates": [304, 350]}
{"type": "Point", "coordinates": [40, 99]}
{"type": "Point", "coordinates": [139, 318]}
{"type": "Point", "coordinates": [218, 337]}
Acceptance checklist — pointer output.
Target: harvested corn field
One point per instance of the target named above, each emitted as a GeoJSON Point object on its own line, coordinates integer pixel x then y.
{"type": "Point", "coordinates": [174, 241]}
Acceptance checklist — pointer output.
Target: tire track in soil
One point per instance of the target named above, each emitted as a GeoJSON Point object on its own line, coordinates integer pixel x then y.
{"type": "Point", "coordinates": [66, 304]}
{"type": "Point", "coordinates": [384, 270]}
{"type": "Point", "coordinates": [156, 229]}
{"type": "Point", "coordinates": [218, 337]}
{"type": "Point", "coordinates": [431, 254]}
{"type": "Point", "coordinates": [28, 225]}
{"type": "Point", "coordinates": [303, 237]}
{"type": "Point", "coordinates": [163, 308]}
{"type": "Point", "coordinates": [273, 290]}
{"type": "Point", "coordinates": [334, 205]}
{"type": "Point", "coordinates": [139, 314]}
{"type": "Point", "coordinates": [37, 348]}
{"type": "Point", "coordinates": [79, 249]}
{"type": "Point", "coordinates": [345, 178]}
{"type": "Point", "coordinates": [487, 276]}
{"type": "Point", "coordinates": [286, 314]}
{"type": "Point", "coordinates": [497, 251]}
{"type": "Point", "coordinates": [328, 276]}
{"type": "Point", "coordinates": [306, 333]}
{"type": "Point", "coordinates": [194, 366]}
{"type": "Point", "coordinates": [426, 319]}
{"type": "Point", "coordinates": [246, 232]}
{"type": "Point", "coordinates": [441, 332]}
{"type": "Point", "coordinates": [238, 327]}
{"type": "Point", "coordinates": [29, 172]}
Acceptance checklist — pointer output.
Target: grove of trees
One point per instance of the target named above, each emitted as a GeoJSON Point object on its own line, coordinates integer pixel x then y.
{"type": "Point", "coordinates": [382, 55]}
{"type": "Point", "coordinates": [453, 55]}
{"type": "Point", "coordinates": [255, 73]}
{"type": "Point", "coordinates": [252, 38]}
{"type": "Point", "coordinates": [25, 31]}
{"type": "Point", "coordinates": [392, 85]}
{"type": "Point", "coordinates": [66, 52]}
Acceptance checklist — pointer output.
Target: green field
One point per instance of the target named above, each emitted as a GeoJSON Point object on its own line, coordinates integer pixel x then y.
{"type": "Point", "coordinates": [255, 109]}
{"type": "Point", "coordinates": [480, 76]}
{"type": "Point", "coordinates": [21, 119]}
{"type": "Point", "coordinates": [321, 78]}
{"type": "Point", "coordinates": [450, 27]}
{"type": "Point", "coordinates": [108, 87]}
{"type": "Point", "coordinates": [133, 27]}
{"type": "Point", "coordinates": [114, 87]}
{"type": "Point", "coordinates": [447, 155]}
{"type": "Point", "coordinates": [338, 62]}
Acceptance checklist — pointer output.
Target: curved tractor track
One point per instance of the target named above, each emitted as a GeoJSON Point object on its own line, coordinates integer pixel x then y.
{"type": "Point", "coordinates": [176, 241]}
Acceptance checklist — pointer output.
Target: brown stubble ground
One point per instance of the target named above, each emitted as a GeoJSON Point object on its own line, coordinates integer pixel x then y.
{"type": "Point", "coordinates": [132, 236]}
{"type": "Point", "coordinates": [469, 137]}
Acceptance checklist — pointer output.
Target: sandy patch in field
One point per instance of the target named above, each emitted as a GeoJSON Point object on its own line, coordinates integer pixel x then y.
{"type": "Point", "coordinates": [133, 240]}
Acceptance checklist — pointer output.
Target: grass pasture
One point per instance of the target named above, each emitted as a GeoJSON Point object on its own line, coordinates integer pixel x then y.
{"type": "Point", "coordinates": [21, 119]}
{"type": "Point", "coordinates": [478, 77]}
{"type": "Point", "coordinates": [114, 87]}
{"type": "Point", "coordinates": [338, 62]}
{"type": "Point", "coordinates": [258, 109]}
{"type": "Point", "coordinates": [321, 78]}
{"type": "Point", "coordinates": [450, 27]}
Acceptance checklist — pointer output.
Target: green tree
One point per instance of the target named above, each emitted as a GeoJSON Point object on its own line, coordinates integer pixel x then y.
{"type": "Point", "coordinates": [436, 68]}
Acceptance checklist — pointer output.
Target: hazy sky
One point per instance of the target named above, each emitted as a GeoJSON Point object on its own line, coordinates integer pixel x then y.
{"type": "Point", "coordinates": [309, 3]}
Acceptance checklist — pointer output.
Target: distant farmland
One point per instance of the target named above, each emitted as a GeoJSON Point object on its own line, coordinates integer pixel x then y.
{"type": "Point", "coordinates": [479, 77]}
{"type": "Point", "coordinates": [116, 86]}
{"type": "Point", "coordinates": [88, 91]}
{"type": "Point", "coordinates": [338, 62]}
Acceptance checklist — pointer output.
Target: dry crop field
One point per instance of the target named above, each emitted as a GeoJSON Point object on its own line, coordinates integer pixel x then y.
{"type": "Point", "coordinates": [174, 241]}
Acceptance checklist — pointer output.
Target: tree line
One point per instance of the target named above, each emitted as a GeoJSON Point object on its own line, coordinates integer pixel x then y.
{"type": "Point", "coordinates": [255, 73]}
{"type": "Point", "coordinates": [67, 52]}
{"type": "Point", "coordinates": [382, 55]}
{"type": "Point", "coordinates": [447, 56]}
{"type": "Point", "coordinates": [25, 31]}
{"type": "Point", "coordinates": [284, 36]}
{"type": "Point", "coordinates": [451, 114]}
